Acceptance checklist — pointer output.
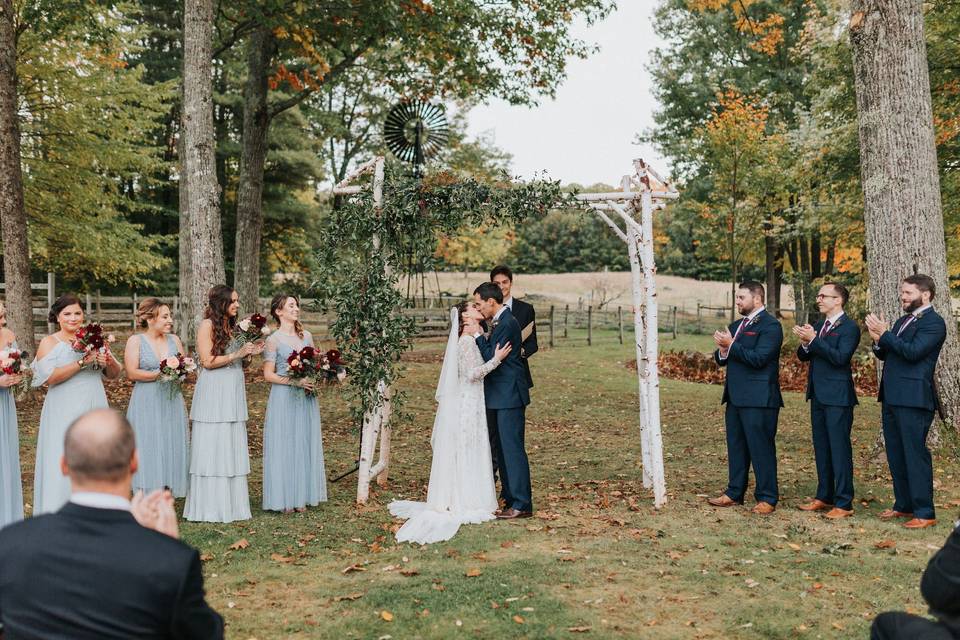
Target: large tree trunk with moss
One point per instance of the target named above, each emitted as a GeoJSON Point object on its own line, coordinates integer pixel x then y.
{"type": "Point", "coordinates": [13, 215]}
{"type": "Point", "coordinates": [898, 166]}
{"type": "Point", "coordinates": [199, 161]}
{"type": "Point", "coordinates": [185, 325]}
{"type": "Point", "coordinates": [253, 156]}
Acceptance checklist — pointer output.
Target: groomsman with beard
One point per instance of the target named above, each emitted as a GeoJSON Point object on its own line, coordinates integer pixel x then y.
{"type": "Point", "coordinates": [829, 347]}
{"type": "Point", "coordinates": [750, 350]}
{"type": "Point", "coordinates": [909, 351]}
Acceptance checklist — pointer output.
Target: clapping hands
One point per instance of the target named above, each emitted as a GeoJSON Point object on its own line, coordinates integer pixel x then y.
{"type": "Point", "coordinates": [876, 326]}
{"type": "Point", "coordinates": [155, 511]}
{"type": "Point", "coordinates": [723, 339]}
{"type": "Point", "coordinates": [805, 332]}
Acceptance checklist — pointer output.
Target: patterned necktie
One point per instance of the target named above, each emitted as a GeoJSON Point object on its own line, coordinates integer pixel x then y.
{"type": "Point", "coordinates": [743, 323]}
{"type": "Point", "coordinates": [906, 323]}
{"type": "Point", "coordinates": [824, 329]}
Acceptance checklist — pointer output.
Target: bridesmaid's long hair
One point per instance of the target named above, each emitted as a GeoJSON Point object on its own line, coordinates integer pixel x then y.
{"type": "Point", "coordinates": [277, 303]}
{"type": "Point", "coordinates": [219, 300]}
{"type": "Point", "coordinates": [461, 308]}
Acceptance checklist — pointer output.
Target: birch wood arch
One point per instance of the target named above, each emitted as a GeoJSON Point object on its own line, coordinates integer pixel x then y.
{"type": "Point", "coordinates": [641, 193]}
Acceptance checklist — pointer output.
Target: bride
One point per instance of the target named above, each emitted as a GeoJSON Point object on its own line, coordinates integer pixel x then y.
{"type": "Point", "coordinates": [461, 489]}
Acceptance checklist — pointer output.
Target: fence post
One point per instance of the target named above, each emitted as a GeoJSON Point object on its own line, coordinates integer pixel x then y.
{"type": "Point", "coordinates": [134, 320]}
{"type": "Point", "coordinates": [98, 305]}
{"type": "Point", "coordinates": [89, 309]}
{"type": "Point", "coordinates": [51, 296]}
{"type": "Point", "coordinates": [620, 322]}
{"type": "Point", "coordinates": [566, 318]}
{"type": "Point", "coordinates": [551, 326]}
{"type": "Point", "coordinates": [674, 322]}
{"type": "Point", "coordinates": [590, 325]}
{"type": "Point", "coordinates": [699, 327]}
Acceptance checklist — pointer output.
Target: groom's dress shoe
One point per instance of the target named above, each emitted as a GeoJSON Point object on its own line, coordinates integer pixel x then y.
{"type": "Point", "coordinates": [723, 500]}
{"type": "Point", "coordinates": [511, 514]}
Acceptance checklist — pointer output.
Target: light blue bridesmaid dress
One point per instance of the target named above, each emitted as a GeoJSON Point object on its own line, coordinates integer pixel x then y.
{"type": "Point", "coordinates": [219, 459]}
{"type": "Point", "coordinates": [11, 491]}
{"type": "Point", "coordinates": [159, 418]}
{"type": "Point", "coordinates": [65, 402]}
{"type": "Point", "coordinates": [293, 470]}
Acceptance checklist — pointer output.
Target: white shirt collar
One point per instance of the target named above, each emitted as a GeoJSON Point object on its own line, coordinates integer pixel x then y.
{"type": "Point", "coordinates": [499, 313]}
{"type": "Point", "coordinates": [922, 309]}
{"type": "Point", "coordinates": [508, 303]}
{"type": "Point", "coordinates": [98, 500]}
{"type": "Point", "coordinates": [753, 314]}
{"type": "Point", "coordinates": [833, 319]}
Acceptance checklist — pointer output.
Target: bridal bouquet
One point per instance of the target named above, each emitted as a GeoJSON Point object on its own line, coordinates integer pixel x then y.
{"type": "Point", "coordinates": [252, 329]}
{"type": "Point", "coordinates": [308, 363]}
{"type": "Point", "coordinates": [175, 369]}
{"type": "Point", "coordinates": [90, 338]}
{"type": "Point", "coordinates": [12, 364]}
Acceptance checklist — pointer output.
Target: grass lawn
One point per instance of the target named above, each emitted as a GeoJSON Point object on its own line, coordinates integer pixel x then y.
{"type": "Point", "coordinates": [597, 560]}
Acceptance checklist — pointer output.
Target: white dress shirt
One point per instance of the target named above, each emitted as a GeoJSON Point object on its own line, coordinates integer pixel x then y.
{"type": "Point", "coordinates": [98, 500]}
{"type": "Point", "coordinates": [750, 316]}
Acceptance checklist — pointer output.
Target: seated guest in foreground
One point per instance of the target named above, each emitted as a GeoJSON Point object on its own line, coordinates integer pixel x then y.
{"type": "Point", "coordinates": [940, 587]}
{"type": "Point", "coordinates": [91, 570]}
{"type": "Point", "coordinates": [829, 347]}
{"type": "Point", "coordinates": [909, 350]}
{"type": "Point", "coordinates": [750, 350]}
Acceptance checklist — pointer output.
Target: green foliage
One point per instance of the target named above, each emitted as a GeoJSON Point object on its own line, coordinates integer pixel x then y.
{"type": "Point", "coordinates": [86, 122]}
{"type": "Point", "coordinates": [364, 250]}
{"type": "Point", "coordinates": [566, 241]}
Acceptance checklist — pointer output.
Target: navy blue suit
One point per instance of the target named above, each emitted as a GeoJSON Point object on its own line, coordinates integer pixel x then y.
{"type": "Point", "coordinates": [832, 397]}
{"type": "Point", "coordinates": [507, 394]}
{"type": "Point", "coordinates": [752, 395]}
{"type": "Point", "coordinates": [909, 401]}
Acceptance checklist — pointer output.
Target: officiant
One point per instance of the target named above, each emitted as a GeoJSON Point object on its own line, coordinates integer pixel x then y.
{"type": "Point", "coordinates": [502, 276]}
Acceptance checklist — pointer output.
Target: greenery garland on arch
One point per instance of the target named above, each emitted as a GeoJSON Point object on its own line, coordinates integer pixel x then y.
{"type": "Point", "coordinates": [364, 252]}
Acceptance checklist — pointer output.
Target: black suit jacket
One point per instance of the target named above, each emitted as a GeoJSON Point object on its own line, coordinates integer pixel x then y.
{"type": "Point", "coordinates": [909, 361]}
{"type": "Point", "coordinates": [85, 573]}
{"type": "Point", "coordinates": [940, 585]}
{"type": "Point", "coordinates": [753, 363]}
{"type": "Point", "coordinates": [830, 377]}
{"type": "Point", "coordinates": [506, 386]}
{"type": "Point", "coordinates": [526, 316]}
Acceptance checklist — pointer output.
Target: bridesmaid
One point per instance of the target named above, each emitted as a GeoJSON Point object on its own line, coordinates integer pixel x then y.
{"type": "Point", "coordinates": [219, 458]}
{"type": "Point", "coordinates": [74, 386]}
{"type": "Point", "coordinates": [11, 491]}
{"type": "Point", "coordinates": [157, 410]}
{"type": "Point", "coordinates": [293, 471]}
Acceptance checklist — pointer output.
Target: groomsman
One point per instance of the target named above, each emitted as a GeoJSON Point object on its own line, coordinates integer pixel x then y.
{"type": "Point", "coordinates": [909, 351]}
{"type": "Point", "coordinates": [750, 350]}
{"type": "Point", "coordinates": [829, 347]}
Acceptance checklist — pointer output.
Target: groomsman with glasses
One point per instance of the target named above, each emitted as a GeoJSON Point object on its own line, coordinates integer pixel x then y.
{"type": "Point", "coordinates": [828, 347]}
{"type": "Point", "coordinates": [750, 350]}
{"type": "Point", "coordinates": [909, 351]}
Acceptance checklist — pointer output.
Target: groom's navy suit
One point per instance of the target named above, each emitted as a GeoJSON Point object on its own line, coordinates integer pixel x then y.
{"type": "Point", "coordinates": [507, 394]}
{"type": "Point", "coordinates": [832, 397]}
{"type": "Point", "coordinates": [752, 395]}
{"type": "Point", "coordinates": [909, 353]}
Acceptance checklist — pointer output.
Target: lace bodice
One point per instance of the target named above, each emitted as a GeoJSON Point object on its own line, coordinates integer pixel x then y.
{"type": "Point", "coordinates": [471, 365]}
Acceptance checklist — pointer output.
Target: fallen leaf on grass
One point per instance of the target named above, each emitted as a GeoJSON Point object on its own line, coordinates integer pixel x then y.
{"type": "Point", "coordinates": [354, 567]}
{"type": "Point", "coordinates": [473, 573]}
{"type": "Point", "coordinates": [352, 596]}
{"type": "Point", "coordinates": [409, 572]}
{"type": "Point", "coordinates": [386, 615]}
{"type": "Point", "coordinates": [793, 546]}
{"type": "Point", "coordinates": [751, 583]}
{"type": "Point", "coordinates": [518, 619]}
{"type": "Point", "coordinates": [837, 625]}
{"type": "Point", "coordinates": [506, 545]}
{"type": "Point", "coordinates": [885, 544]}
{"type": "Point", "coordinates": [204, 557]}
{"type": "Point", "coordinates": [240, 544]}
{"type": "Point", "coordinates": [276, 557]}
{"type": "Point", "coordinates": [578, 629]}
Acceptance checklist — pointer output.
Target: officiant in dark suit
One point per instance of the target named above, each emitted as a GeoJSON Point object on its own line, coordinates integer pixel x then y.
{"type": "Point", "coordinates": [828, 347]}
{"type": "Point", "coordinates": [102, 567]}
{"type": "Point", "coordinates": [506, 394]}
{"type": "Point", "coordinates": [909, 350]}
{"type": "Point", "coordinates": [526, 317]}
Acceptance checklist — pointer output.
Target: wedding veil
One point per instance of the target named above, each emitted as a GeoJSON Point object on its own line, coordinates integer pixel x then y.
{"type": "Point", "coordinates": [448, 388]}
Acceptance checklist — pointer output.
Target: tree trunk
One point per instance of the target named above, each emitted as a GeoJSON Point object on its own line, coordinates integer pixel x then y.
{"type": "Point", "coordinates": [185, 325]}
{"type": "Point", "coordinates": [199, 162]}
{"type": "Point", "coordinates": [829, 267]}
{"type": "Point", "coordinates": [13, 215]}
{"type": "Point", "coordinates": [778, 279]}
{"type": "Point", "coordinates": [770, 265]}
{"type": "Point", "coordinates": [898, 167]}
{"type": "Point", "coordinates": [256, 120]}
{"type": "Point", "coordinates": [816, 265]}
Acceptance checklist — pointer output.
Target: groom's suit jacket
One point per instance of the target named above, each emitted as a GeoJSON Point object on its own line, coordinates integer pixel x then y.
{"type": "Point", "coordinates": [505, 387]}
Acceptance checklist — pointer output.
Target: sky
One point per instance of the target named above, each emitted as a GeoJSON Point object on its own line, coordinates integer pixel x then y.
{"type": "Point", "coordinates": [587, 133]}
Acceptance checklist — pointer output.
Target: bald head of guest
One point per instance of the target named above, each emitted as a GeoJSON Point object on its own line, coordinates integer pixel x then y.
{"type": "Point", "coordinates": [99, 453]}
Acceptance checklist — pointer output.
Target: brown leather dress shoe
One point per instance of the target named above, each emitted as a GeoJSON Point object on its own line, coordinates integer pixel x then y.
{"type": "Point", "coordinates": [815, 505]}
{"type": "Point", "coordinates": [890, 514]}
{"type": "Point", "coordinates": [511, 514]}
{"type": "Point", "coordinates": [919, 523]}
{"type": "Point", "coordinates": [723, 500]}
{"type": "Point", "coordinates": [836, 513]}
{"type": "Point", "coordinates": [763, 508]}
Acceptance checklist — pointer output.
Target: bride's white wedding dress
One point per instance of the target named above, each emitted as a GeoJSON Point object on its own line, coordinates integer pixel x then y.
{"type": "Point", "coordinates": [461, 489]}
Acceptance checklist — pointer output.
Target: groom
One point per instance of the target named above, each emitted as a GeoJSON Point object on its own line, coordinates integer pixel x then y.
{"type": "Point", "coordinates": [507, 394]}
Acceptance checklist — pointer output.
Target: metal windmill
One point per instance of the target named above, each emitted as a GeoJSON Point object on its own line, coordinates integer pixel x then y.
{"type": "Point", "coordinates": [415, 131]}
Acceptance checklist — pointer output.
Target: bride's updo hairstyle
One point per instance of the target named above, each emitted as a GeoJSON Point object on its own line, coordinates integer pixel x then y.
{"type": "Point", "coordinates": [461, 308]}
